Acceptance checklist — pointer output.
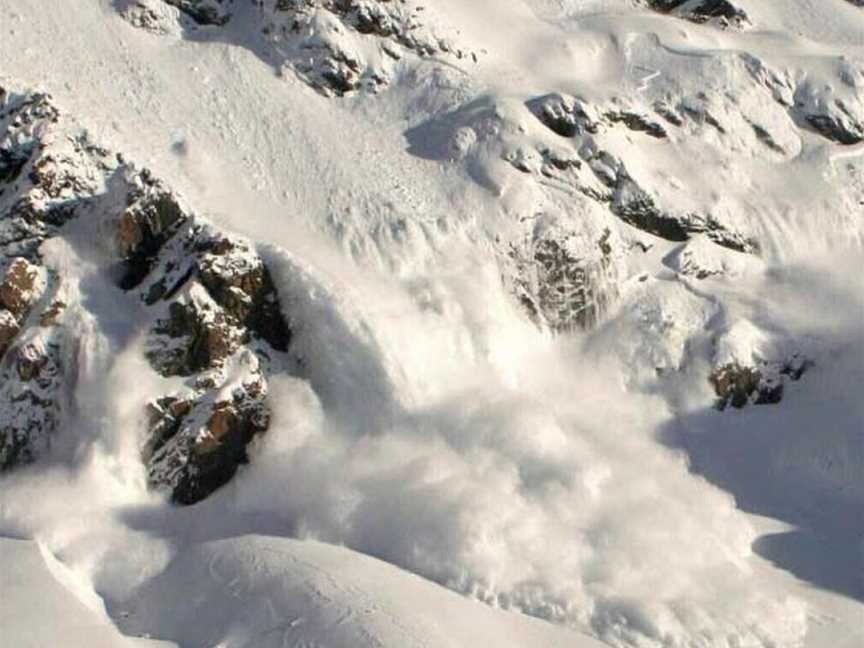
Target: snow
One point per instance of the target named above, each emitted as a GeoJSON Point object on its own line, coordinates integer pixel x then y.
{"type": "Point", "coordinates": [264, 591]}
{"type": "Point", "coordinates": [433, 430]}
{"type": "Point", "coordinates": [41, 606]}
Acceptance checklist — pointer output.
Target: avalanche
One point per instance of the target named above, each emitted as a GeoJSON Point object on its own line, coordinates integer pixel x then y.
{"type": "Point", "coordinates": [376, 323]}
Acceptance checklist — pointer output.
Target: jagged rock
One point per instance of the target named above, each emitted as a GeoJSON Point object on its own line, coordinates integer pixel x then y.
{"type": "Point", "coordinates": [150, 218]}
{"type": "Point", "coordinates": [568, 116]}
{"type": "Point", "coordinates": [221, 295]}
{"type": "Point", "coordinates": [637, 207]}
{"type": "Point", "coordinates": [239, 281]}
{"type": "Point", "coordinates": [12, 161]}
{"type": "Point", "coordinates": [31, 367]}
{"type": "Point", "coordinates": [197, 443]}
{"type": "Point", "coordinates": [722, 12]}
{"type": "Point", "coordinates": [569, 292]}
{"type": "Point", "coordinates": [739, 386]}
{"type": "Point", "coordinates": [837, 128]}
{"type": "Point", "coordinates": [336, 46]}
{"type": "Point", "coordinates": [20, 117]}
{"type": "Point", "coordinates": [9, 328]}
{"type": "Point", "coordinates": [636, 122]}
{"type": "Point", "coordinates": [220, 310]}
{"type": "Point", "coordinates": [196, 335]}
{"type": "Point", "coordinates": [627, 198]}
{"type": "Point", "coordinates": [19, 287]}
{"type": "Point", "coordinates": [834, 110]}
{"type": "Point", "coordinates": [218, 319]}
{"type": "Point", "coordinates": [752, 366]}
{"type": "Point", "coordinates": [31, 386]}
{"type": "Point", "coordinates": [205, 12]}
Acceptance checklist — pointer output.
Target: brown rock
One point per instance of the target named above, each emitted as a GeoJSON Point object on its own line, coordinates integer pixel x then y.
{"type": "Point", "coordinates": [16, 290]}
{"type": "Point", "coordinates": [9, 328]}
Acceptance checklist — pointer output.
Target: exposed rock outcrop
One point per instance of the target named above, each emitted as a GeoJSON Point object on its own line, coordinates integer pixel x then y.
{"type": "Point", "coordinates": [205, 12]}
{"type": "Point", "coordinates": [723, 13]}
{"type": "Point", "coordinates": [336, 46]}
{"type": "Point", "coordinates": [217, 320]}
{"type": "Point", "coordinates": [219, 325]}
{"type": "Point", "coordinates": [761, 384]}
{"type": "Point", "coordinates": [631, 202]}
{"type": "Point", "coordinates": [198, 439]}
{"type": "Point", "coordinates": [752, 366]}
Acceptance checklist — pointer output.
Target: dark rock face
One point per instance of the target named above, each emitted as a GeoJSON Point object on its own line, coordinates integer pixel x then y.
{"type": "Point", "coordinates": [32, 377]}
{"type": "Point", "coordinates": [637, 122]}
{"type": "Point", "coordinates": [18, 287]}
{"type": "Point", "coordinates": [148, 221]}
{"type": "Point", "coordinates": [723, 11]}
{"type": "Point", "coordinates": [329, 63]}
{"type": "Point", "coordinates": [220, 296]}
{"type": "Point", "coordinates": [737, 386]}
{"type": "Point", "coordinates": [205, 12]}
{"type": "Point", "coordinates": [565, 115]}
{"type": "Point", "coordinates": [635, 206]}
{"type": "Point", "coordinates": [220, 318]}
{"type": "Point", "coordinates": [198, 335]}
{"type": "Point", "coordinates": [626, 197]}
{"type": "Point", "coordinates": [842, 128]}
{"type": "Point", "coordinates": [196, 445]}
{"type": "Point", "coordinates": [32, 373]}
{"type": "Point", "coordinates": [315, 39]}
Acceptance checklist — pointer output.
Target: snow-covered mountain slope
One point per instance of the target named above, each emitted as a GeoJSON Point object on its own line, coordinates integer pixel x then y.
{"type": "Point", "coordinates": [538, 300]}
{"type": "Point", "coordinates": [257, 591]}
{"type": "Point", "coordinates": [41, 606]}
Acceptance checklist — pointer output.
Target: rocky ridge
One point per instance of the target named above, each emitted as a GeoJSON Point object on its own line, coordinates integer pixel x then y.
{"type": "Point", "coordinates": [336, 46]}
{"type": "Point", "coordinates": [216, 320]}
{"type": "Point", "coordinates": [601, 173]}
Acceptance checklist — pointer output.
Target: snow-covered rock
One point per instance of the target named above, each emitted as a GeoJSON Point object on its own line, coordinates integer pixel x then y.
{"type": "Point", "coordinates": [644, 187]}
{"type": "Point", "coordinates": [751, 366]}
{"type": "Point", "coordinates": [723, 13]}
{"type": "Point", "coordinates": [336, 46]}
{"type": "Point", "coordinates": [215, 307]}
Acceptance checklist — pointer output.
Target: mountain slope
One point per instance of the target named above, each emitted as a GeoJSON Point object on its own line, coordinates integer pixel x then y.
{"type": "Point", "coordinates": [451, 280]}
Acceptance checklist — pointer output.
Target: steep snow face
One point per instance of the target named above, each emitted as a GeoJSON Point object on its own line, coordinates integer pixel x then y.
{"type": "Point", "coordinates": [516, 266]}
